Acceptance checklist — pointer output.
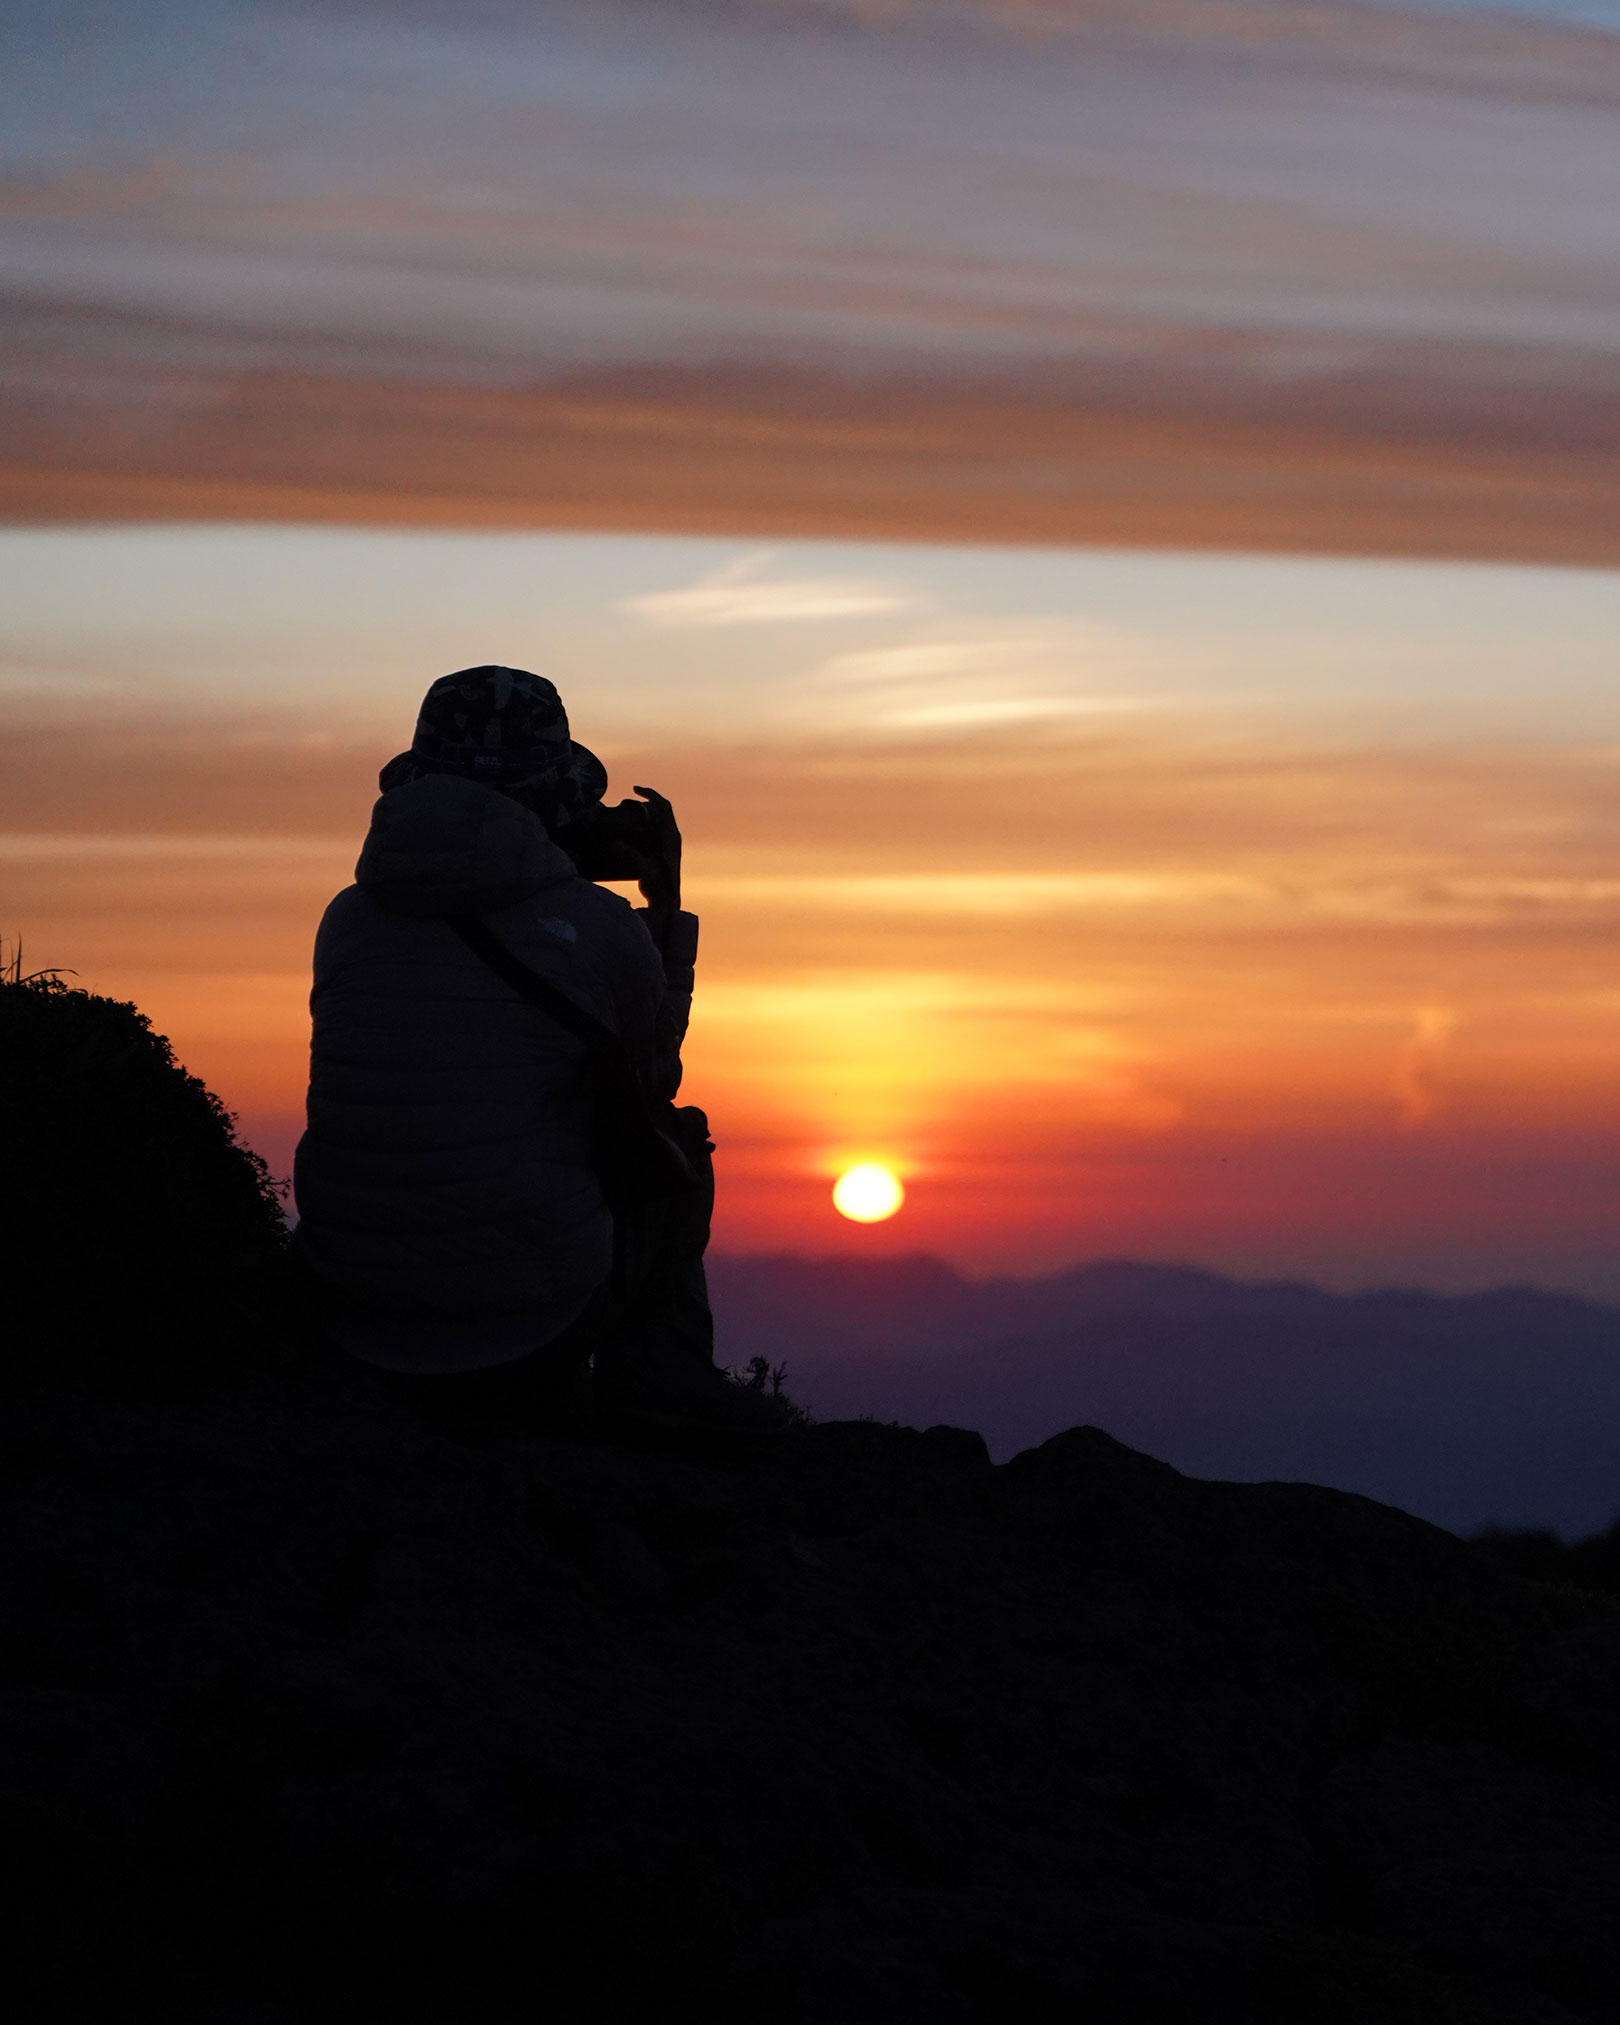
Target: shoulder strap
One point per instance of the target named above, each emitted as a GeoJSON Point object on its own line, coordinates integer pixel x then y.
{"type": "Point", "coordinates": [636, 1158]}
{"type": "Point", "coordinates": [482, 940]}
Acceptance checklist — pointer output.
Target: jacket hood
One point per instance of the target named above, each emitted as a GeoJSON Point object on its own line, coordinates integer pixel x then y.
{"type": "Point", "coordinates": [444, 845]}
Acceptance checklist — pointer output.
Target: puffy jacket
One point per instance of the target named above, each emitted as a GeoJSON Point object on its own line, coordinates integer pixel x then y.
{"type": "Point", "coordinates": [446, 1167]}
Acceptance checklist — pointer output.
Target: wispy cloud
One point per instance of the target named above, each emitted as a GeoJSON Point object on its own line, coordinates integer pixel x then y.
{"type": "Point", "coordinates": [956, 893]}
{"type": "Point", "coordinates": [1128, 271]}
{"type": "Point", "coordinates": [961, 682]}
{"type": "Point", "coordinates": [88, 846]}
{"type": "Point", "coordinates": [967, 711]}
{"type": "Point", "coordinates": [1305, 893]}
{"type": "Point", "coordinates": [924, 660]}
{"type": "Point", "coordinates": [742, 593]}
{"type": "Point", "coordinates": [1415, 1094]}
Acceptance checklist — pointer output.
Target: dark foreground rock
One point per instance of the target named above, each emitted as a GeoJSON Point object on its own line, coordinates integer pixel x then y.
{"type": "Point", "coordinates": [314, 1712]}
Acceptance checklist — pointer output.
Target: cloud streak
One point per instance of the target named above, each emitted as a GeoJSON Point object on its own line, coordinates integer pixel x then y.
{"type": "Point", "coordinates": [740, 593]}
{"type": "Point", "coordinates": [1248, 276]}
{"type": "Point", "coordinates": [1415, 1085]}
{"type": "Point", "coordinates": [969, 682]}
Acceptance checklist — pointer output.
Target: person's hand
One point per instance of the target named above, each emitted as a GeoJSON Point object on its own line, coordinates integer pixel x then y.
{"type": "Point", "coordinates": [660, 874]}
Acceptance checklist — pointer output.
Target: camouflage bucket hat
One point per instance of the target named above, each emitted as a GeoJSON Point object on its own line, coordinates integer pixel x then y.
{"type": "Point", "coordinates": [504, 727]}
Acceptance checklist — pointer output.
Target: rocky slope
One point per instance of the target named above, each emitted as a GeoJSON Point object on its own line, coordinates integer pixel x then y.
{"type": "Point", "coordinates": [314, 1711]}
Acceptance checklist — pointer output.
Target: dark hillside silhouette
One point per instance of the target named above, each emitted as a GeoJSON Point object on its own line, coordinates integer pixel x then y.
{"type": "Point", "coordinates": [1487, 1409]}
{"type": "Point", "coordinates": [312, 1713]}
{"type": "Point", "coordinates": [312, 1709]}
{"type": "Point", "coordinates": [125, 1195]}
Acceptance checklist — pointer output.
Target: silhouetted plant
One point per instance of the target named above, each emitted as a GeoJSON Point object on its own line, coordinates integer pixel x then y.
{"type": "Point", "coordinates": [759, 1374]}
{"type": "Point", "coordinates": [12, 973]}
{"type": "Point", "coordinates": [135, 1219]}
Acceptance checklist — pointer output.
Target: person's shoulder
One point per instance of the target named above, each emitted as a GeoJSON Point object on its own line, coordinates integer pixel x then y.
{"type": "Point", "coordinates": [355, 921]}
{"type": "Point", "coordinates": [354, 908]}
{"type": "Point", "coordinates": [613, 923]}
{"type": "Point", "coordinates": [612, 932]}
{"type": "Point", "coordinates": [606, 904]}
{"type": "Point", "coordinates": [344, 907]}
{"type": "Point", "coordinates": [588, 916]}
{"type": "Point", "coordinates": [344, 929]}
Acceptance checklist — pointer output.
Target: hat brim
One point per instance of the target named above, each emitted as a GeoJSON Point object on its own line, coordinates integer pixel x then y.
{"type": "Point", "coordinates": [583, 769]}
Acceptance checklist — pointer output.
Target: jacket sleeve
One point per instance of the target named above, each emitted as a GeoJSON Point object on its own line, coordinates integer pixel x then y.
{"type": "Point", "coordinates": [674, 1010]}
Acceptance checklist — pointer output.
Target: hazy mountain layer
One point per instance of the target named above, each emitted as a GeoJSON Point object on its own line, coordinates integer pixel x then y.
{"type": "Point", "coordinates": [1497, 1408]}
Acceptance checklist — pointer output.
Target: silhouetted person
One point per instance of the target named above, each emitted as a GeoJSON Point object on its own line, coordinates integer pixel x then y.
{"type": "Point", "coordinates": [496, 1046]}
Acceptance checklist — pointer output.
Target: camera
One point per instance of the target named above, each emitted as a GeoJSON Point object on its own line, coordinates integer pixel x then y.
{"type": "Point", "coordinates": [610, 842]}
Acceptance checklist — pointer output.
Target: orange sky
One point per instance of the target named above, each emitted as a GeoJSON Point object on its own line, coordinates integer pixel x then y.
{"type": "Point", "coordinates": [1254, 910]}
{"type": "Point", "coordinates": [1257, 912]}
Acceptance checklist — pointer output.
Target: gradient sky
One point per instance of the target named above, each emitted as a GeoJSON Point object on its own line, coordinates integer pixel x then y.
{"type": "Point", "coordinates": [1260, 911]}
{"type": "Point", "coordinates": [835, 397]}
{"type": "Point", "coordinates": [1278, 273]}
{"type": "Point", "coordinates": [561, 183]}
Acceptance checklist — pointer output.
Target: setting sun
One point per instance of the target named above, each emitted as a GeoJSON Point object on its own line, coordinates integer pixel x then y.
{"type": "Point", "coordinates": [867, 1194]}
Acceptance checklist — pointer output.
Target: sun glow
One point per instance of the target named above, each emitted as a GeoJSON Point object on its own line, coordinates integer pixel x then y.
{"type": "Point", "coordinates": [867, 1194]}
